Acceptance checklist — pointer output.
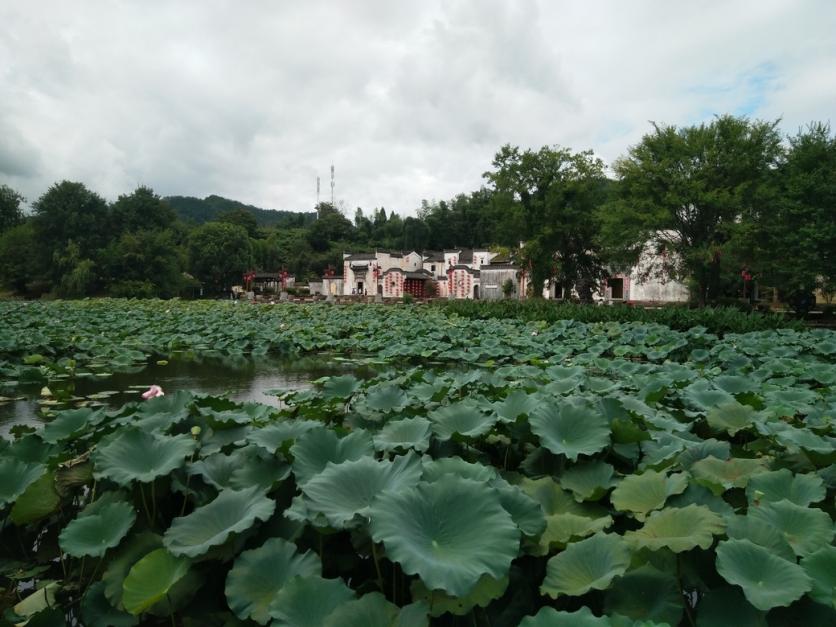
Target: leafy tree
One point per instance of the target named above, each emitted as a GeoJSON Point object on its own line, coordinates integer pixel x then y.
{"type": "Point", "coordinates": [10, 211]}
{"type": "Point", "coordinates": [684, 191]}
{"type": "Point", "coordinates": [557, 193]}
{"type": "Point", "coordinates": [791, 241]}
{"type": "Point", "coordinates": [219, 253]}
{"type": "Point", "coordinates": [71, 224]}
{"type": "Point", "coordinates": [19, 263]}
{"type": "Point", "coordinates": [144, 263]}
{"type": "Point", "coordinates": [141, 210]}
{"type": "Point", "coordinates": [241, 217]}
{"type": "Point", "coordinates": [332, 226]}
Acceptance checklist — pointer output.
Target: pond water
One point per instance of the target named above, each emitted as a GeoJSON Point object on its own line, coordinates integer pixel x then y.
{"type": "Point", "coordinates": [241, 378]}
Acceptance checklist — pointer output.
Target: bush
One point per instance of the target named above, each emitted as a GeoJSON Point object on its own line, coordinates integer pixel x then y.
{"type": "Point", "coordinates": [408, 299]}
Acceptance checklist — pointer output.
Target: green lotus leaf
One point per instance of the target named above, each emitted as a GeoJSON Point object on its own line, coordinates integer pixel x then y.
{"type": "Point", "coordinates": [340, 387]}
{"type": "Point", "coordinates": [702, 396]}
{"type": "Point", "coordinates": [730, 417]}
{"type": "Point", "coordinates": [586, 565]}
{"type": "Point", "coordinates": [96, 610]}
{"type": "Point", "coordinates": [735, 384]}
{"type": "Point", "coordinates": [256, 467]}
{"type": "Point", "coordinates": [728, 607]}
{"type": "Point", "coordinates": [647, 491]}
{"type": "Point", "coordinates": [343, 491]}
{"type": "Point", "coordinates": [215, 469]}
{"type": "Point", "coordinates": [550, 617]}
{"type": "Point", "coordinates": [38, 501]}
{"type": "Point", "coordinates": [308, 601]}
{"type": "Point", "coordinates": [413, 615]}
{"type": "Point", "coordinates": [370, 610]}
{"type": "Point", "coordinates": [802, 489]}
{"type": "Point", "coordinates": [516, 404]}
{"type": "Point", "coordinates": [697, 495]}
{"type": "Point", "coordinates": [760, 533]}
{"type": "Point", "coordinates": [719, 475]}
{"type": "Point", "coordinates": [33, 606]}
{"type": "Point", "coordinates": [314, 449]}
{"type": "Point", "coordinates": [646, 594]}
{"type": "Point", "coordinates": [821, 568]}
{"type": "Point", "coordinates": [136, 455]}
{"type": "Point", "coordinates": [440, 602]}
{"type": "Point", "coordinates": [465, 418]}
{"type": "Point", "coordinates": [30, 449]}
{"type": "Point", "coordinates": [449, 532]}
{"type": "Point", "coordinates": [678, 529]}
{"type": "Point", "coordinates": [260, 573]}
{"type": "Point", "coordinates": [802, 439]}
{"type": "Point", "coordinates": [525, 511]}
{"type": "Point", "coordinates": [233, 511]}
{"type": "Point", "coordinates": [273, 436]}
{"type": "Point", "coordinates": [767, 580]}
{"type": "Point", "coordinates": [69, 424]}
{"type": "Point", "coordinates": [94, 533]}
{"type": "Point", "coordinates": [588, 481]}
{"type": "Point", "coordinates": [806, 529]}
{"type": "Point", "coordinates": [700, 450]}
{"type": "Point", "coordinates": [151, 579]}
{"type": "Point", "coordinates": [134, 549]}
{"type": "Point", "coordinates": [408, 433]}
{"type": "Point", "coordinates": [434, 469]}
{"type": "Point", "coordinates": [16, 476]}
{"type": "Point", "coordinates": [570, 429]}
{"type": "Point", "coordinates": [385, 398]}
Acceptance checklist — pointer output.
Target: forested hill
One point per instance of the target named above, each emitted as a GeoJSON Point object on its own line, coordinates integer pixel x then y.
{"type": "Point", "coordinates": [200, 211]}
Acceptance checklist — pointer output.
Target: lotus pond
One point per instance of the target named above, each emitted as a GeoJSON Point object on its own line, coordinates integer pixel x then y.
{"type": "Point", "coordinates": [489, 472]}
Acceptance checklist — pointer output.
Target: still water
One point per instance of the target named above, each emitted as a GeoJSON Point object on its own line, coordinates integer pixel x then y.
{"type": "Point", "coordinates": [244, 379]}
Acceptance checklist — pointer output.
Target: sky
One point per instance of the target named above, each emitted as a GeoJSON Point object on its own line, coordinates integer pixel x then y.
{"type": "Point", "coordinates": [410, 100]}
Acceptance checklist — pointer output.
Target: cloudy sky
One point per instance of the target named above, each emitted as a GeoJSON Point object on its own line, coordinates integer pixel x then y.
{"type": "Point", "coordinates": [409, 99]}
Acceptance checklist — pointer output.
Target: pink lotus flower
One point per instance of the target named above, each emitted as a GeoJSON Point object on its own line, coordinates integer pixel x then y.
{"type": "Point", "coordinates": [153, 392]}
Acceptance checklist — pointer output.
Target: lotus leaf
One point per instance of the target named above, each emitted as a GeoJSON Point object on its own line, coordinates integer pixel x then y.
{"type": "Point", "coordinates": [449, 532]}
{"type": "Point", "coordinates": [586, 565]}
{"type": "Point", "coordinates": [136, 455]}
{"type": "Point", "coordinates": [95, 532]}
{"type": "Point", "coordinates": [340, 387]}
{"type": "Point", "coordinates": [525, 511]}
{"type": "Point", "coordinates": [408, 433]}
{"type": "Point", "coordinates": [728, 607]}
{"type": "Point", "coordinates": [647, 491]}
{"type": "Point", "coordinates": [760, 533]}
{"type": "Point", "coordinates": [70, 424]}
{"type": "Point", "coordinates": [308, 601]}
{"type": "Point", "coordinates": [588, 481]}
{"type": "Point", "coordinates": [371, 610]}
{"type": "Point", "coordinates": [96, 610]}
{"type": "Point", "coordinates": [385, 398]}
{"type": "Point", "coordinates": [806, 529]}
{"type": "Point", "coordinates": [260, 573]}
{"type": "Point", "coordinates": [704, 397]}
{"type": "Point", "coordinates": [38, 501]}
{"type": "Point", "coordinates": [343, 491]}
{"type": "Point", "coordinates": [137, 546]}
{"type": "Point", "coordinates": [151, 579]}
{"type": "Point", "coordinates": [767, 581]}
{"type": "Point", "coordinates": [678, 529]}
{"type": "Point", "coordinates": [821, 568]}
{"type": "Point", "coordinates": [440, 602]}
{"type": "Point", "coordinates": [434, 469]}
{"type": "Point", "coordinates": [233, 511]}
{"type": "Point", "coordinates": [730, 417]}
{"type": "Point", "coordinates": [571, 430]}
{"type": "Point", "coordinates": [273, 436]}
{"type": "Point", "coordinates": [216, 469]}
{"type": "Point", "coordinates": [464, 418]}
{"type": "Point", "coordinates": [719, 475]}
{"type": "Point", "coordinates": [550, 617]}
{"type": "Point", "coordinates": [783, 484]}
{"type": "Point", "coordinates": [516, 404]}
{"type": "Point", "coordinates": [700, 450]}
{"type": "Point", "coordinates": [645, 594]}
{"type": "Point", "coordinates": [314, 449]}
{"type": "Point", "coordinates": [16, 476]}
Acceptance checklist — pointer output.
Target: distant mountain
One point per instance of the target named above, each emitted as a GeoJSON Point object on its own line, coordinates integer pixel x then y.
{"type": "Point", "coordinates": [199, 211]}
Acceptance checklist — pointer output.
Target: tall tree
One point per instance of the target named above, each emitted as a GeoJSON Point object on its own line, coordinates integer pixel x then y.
{"type": "Point", "coordinates": [10, 211]}
{"type": "Point", "coordinates": [684, 191]}
{"type": "Point", "coordinates": [219, 253]}
{"type": "Point", "coordinates": [557, 193]}
{"type": "Point", "coordinates": [141, 210]}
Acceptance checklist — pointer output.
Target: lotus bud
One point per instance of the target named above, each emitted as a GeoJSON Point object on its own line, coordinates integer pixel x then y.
{"type": "Point", "coordinates": [195, 431]}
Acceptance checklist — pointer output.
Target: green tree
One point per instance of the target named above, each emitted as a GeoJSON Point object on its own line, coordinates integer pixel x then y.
{"type": "Point", "coordinates": [141, 210]}
{"type": "Point", "coordinates": [791, 242]}
{"type": "Point", "coordinates": [219, 253]}
{"type": "Point", "coordinates": [241, 217]}
{"type": "Point", "coordinates": [19, 264]}
{"type": "Point", "coordinates": [71, 225]}
{"type": "Point", "coordinates": [10, 212]}
{"type": "Point", "coordinates": [685, 191]}
{"type": "Point", "coordinates": [557, 193]}
{"type": "Point", "coordinates": [144, 263]}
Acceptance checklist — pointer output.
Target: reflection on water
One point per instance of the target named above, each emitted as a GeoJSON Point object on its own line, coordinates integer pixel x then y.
{"type": "Point", "coordinates": [241, 378]}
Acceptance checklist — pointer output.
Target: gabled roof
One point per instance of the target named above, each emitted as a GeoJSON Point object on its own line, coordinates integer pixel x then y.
{"type": "Point", "coordinates": [361, 257]}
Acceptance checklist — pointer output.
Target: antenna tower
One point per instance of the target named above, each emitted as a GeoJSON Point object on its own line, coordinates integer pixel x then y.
{"type": "Point", "coordinates": [317, 191]}
{"type": "Point", "coordinates": [332, 185]}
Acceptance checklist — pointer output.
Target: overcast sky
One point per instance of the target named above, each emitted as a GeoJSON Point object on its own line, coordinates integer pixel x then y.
{"type": "Point", "coordinates": [408, 99]}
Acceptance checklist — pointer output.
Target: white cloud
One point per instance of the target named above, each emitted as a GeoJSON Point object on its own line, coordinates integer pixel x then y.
{"type": "Point", "coordinates": [409, 100]}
